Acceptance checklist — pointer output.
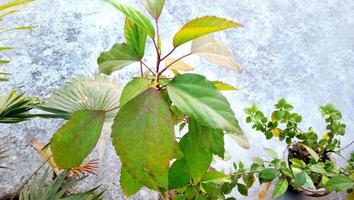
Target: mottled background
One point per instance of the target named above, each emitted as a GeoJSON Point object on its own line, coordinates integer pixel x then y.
{"type": "Point", "coordinates": [301, 50]}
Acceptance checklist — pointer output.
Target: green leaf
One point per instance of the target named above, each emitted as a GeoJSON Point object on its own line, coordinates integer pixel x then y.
{"type": "Point", "coordinates": [267, 175]}
{"type": "Point", "coordinates": [4, 62]}
{"type": "Point", "coordinates": [242, 189]}
{"type": "Point", "coordinates": [154, 7]}
{"type": "Point", "coordinates": [74, 141]}
{"type": "Point", "coordinates": [97, 93]}
{"type": "Point", "coordinates": [216, 177]}
{"type": "Point", "coordinates": [143, 136]}
{"type": "Point", "coordinates": [300, 179]}
{"type": "Point", "coordinates": [198, 98]}
{"type": "Point", "coordinates": [129, 185]}
{"type": "Point", "coordinates": [312, 153]}
{"type": "Point", "coordinates": [119, 56]}
{"type": "Point", "coordinates": [198, 147]}
{"type": "Point", "coordinates": [135, 37]}
{"type": "Point", "coordinates": [133, 89]}
{"type": "Point", "coordinates": [136, 16]}
{"type": "Point", "coordinates": [309, 183]}
{"type": "Point", "coordinates": [318, 168]}
{"type": "Point", "coordinates": [178, 175]}
{"type": "Point", "coordinates": [223, 86]}
{"type": "Point", "coordinates": [340, 183]}
{"type": "Point", "coordinates": [248, 179]}
{"type": "Point", "coordinates": [14, 107]}
{"type": "Point", "coordinates": [280, 188]}
{"type": "Point", "coordinates": [239, 137]}
{"type": "Point", "coordinates": [202, 26]}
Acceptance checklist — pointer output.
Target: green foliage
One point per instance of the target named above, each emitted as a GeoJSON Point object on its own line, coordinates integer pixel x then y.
{"type": "Point", "coordinates": [72, 143]}
{"type": "Point", "coordinates": [310, 165]}
{"type": "Point", "coordinates": [201, 26]}
{"type": "Point", "coordinates": [198, 98]}
{"type": "Point", "coordinates": [280, 188]}
{"type": "Point", "coordinates": [149, 109]}
{"type": "Point", "coordinates": [58, 189]}
{"type": "Point", "coordinates": [14, 107]}
{"type": "Point", "coordinates": [144, 127]}
{"type": "Point", "coordinates": [2, 157]}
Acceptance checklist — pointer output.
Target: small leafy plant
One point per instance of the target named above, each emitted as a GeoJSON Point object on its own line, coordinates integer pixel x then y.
{"type": "Point", "coordinates": [147, 110]}
{"type": "Point", "coordinates": [309, 166]}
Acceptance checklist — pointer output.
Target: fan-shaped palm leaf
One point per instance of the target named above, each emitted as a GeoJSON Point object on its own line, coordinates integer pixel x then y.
{"type": "Point", "coordinates": [14, 107]}
{"type": "Point", "coordinates": [2, 156]}
{"type": "Point", "coordinates": [58, 189]}
{"type": "Point", "coordinates": [97, 93]}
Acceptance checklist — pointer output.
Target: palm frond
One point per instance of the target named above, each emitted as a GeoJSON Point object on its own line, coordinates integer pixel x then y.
{"type": "Point", "coordinates": [58, 189]}
{"type": "Point", "coordinates": [96, 93]}
{"type": "Point", "coordinates": [14, 107]}
{"type": "Point", "coordinates": [2, 156]}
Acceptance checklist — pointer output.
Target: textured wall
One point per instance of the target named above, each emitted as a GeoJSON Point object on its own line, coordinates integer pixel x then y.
{"type": "Point", "coordinates": [301, 50]}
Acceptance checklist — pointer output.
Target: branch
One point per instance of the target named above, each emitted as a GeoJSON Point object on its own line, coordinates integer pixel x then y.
{"type": "Point", "coordinates": [141, 70]}
{"type": "Point", "coordinates": [148, 67]}
{"type": "Point", "coordinates": [346, 146]}
{"type": "Point", "coordinates": [173, 63]}
{"type": "Point", "coordinates": [168, 54]}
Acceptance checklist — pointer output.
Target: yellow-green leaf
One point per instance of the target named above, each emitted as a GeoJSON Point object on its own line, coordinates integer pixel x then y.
{"type": "Point", "coordinates": [154, 7]}
{"type": "Point", "coordinates": [136, 16]}
{"type": "Point", "coordinates": [208, 48]}
{"type": "Point", "coordinates": [223, 86]}
{"type": "Point", "coordinates": [133, 89]}
{"type": "Point", "coordinates": [13, 4]}
{"type": "Point", "coordinates": [73, 142]}
{"type": "Point", "coordinates": [202, 26]}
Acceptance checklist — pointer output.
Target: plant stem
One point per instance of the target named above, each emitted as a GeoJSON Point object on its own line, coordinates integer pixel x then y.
{"type": "Point", "coordinates": [148, 67]}
{"type": "Point", "coordinates": [346, 146]}
{"type": "Point", "coordinates": [26, 181]}
{"type": "Point", "coordinates": [163, 70]}
{"type": "Point", "coordinates": [168, 54]}
{"type": "Point", "coordinates": [112, 109]}
{"type": "Point", "coordinates": [141, 69]}
{"type": "Point", "coordinates": [158, 53]}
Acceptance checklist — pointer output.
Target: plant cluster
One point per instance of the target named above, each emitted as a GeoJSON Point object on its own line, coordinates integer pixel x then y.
{"type": "Point", "coordinates": [309, 164]}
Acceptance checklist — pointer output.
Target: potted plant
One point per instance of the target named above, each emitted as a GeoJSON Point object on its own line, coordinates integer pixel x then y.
{"type": "Point", "coordinates": [146, 111]}
{"type": "Point", "coordinates": [308, 165]}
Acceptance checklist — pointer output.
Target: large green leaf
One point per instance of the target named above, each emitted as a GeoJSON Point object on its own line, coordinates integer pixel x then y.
{"type": "Point", "coordinates": [119, 56]}
{"type": "Point", "coordinates": [83, 94]}
{"type": "Point", "coordinates": [129, 185]}
{"type": "Point", "coordinates": [136, 16]}
{"type": "Point", "coordinates": [72, 143]}
{"type": "Point", "coordinates": [133, 89]}
{"type": "Point", "coordinates": [143, 136]}
{"type": "Point", "coordinates": [198, 147]}
{"type": "Point", "coordinates": [198, 98]}
{"type": "Point", "coordinates": [202, 26]}
{"type": "Point", "coordinates": [154, 7]}
{"type": "Point", "coordinates": [178, 175]}
{"type": "Point", "coordinates": [267, 175]}
{"type": "Point", "coordinates": [135, 37]}
{"type": "Point", "coordinates": [340, 183]}
{"type": "Point", "coordinates": [14, 107]}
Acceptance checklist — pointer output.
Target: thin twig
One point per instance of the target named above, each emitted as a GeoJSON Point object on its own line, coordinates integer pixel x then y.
{"type": "Point", "coordinates": [141, 70]}
{"type": "Point", "coordinates": [346, 146]}
{"type": "Point", "coordinates": [340, 156]}
{"type": "Point", "coordinates": [168, 54]}
{"type": "Point", "coordinates": [29, 178]}
{"type": "Point", "coordinates": [163, 70]}
{"type": "Point", "coordinates": [148, 67]}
